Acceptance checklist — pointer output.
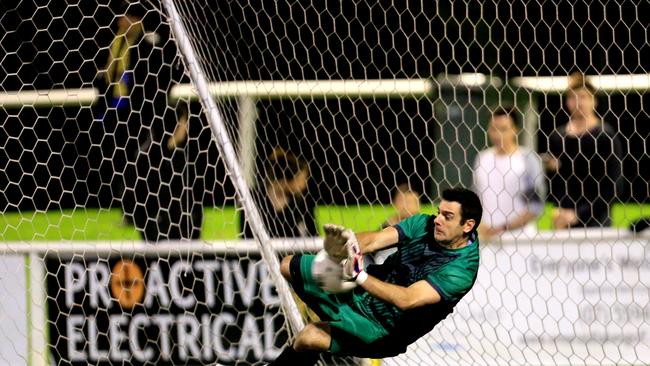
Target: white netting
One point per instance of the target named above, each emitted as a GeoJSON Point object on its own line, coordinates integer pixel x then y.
{"type": "Point", "coordinates": [365, 97]}
{"type": "Point", "coordinates": [93, 149]}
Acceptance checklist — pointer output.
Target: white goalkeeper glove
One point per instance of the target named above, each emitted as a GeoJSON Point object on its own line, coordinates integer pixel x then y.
{"type": "Point", "coordinates": [334, 242]}
{"type": "Point", "coordinates": [353, 265]}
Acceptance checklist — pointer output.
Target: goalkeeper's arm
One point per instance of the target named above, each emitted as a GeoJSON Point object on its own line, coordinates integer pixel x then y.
{"type": "Point", "coordinates": [418, 294]}
{"type": "Point", "coordinates": [370, 242]}
{"type": "Point", "coordinates": [337, 237]}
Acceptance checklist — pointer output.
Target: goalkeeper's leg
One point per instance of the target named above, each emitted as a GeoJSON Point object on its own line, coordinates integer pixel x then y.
{"type": "Point", "coordinates": [307, 314]}
{"type": "Point", "coordinates": [285, 267]}
{"type": "Point", "coordinates": [313, 340]}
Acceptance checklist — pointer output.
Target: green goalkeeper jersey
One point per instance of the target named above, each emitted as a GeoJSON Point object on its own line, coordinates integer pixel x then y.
{"type": "Point", "coordinates": [451, 272]}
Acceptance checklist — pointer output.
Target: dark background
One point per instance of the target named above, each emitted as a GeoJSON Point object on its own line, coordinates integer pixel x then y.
{"type": "Point", "coordinates": [48, 156]}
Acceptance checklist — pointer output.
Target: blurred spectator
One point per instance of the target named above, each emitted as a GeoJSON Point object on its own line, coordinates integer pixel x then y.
{"type": "Point", "coordinates": [509, 179]}
{"type": "Point", "coordinates": [128, 102]}
{"type": "Point", "coordinates": [283, 202]}
{"type": "Point", "coordinates": [406, 203]}
{"type": "Point", "coordinates": [583, 161]}
{"type": "Point", "coordinates": [169, 186]}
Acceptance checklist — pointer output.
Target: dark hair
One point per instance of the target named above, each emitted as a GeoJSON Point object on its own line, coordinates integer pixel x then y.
{"type": "Point", "coordinates": [508, 112]}
{"type": "Point", "coordinates": [578, 80]}
{"type": "Point", "coordinates": [470, 204]}
{"type": "Point", "coordinates": [283, 165]}
{"type": "Point", "coordinates": [133, 8]}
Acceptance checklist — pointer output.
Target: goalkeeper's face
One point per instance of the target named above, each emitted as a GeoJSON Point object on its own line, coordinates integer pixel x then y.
{"type": "Point", "coordinates": [448, 227]}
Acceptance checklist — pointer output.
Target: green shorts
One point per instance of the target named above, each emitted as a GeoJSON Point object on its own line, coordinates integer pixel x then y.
{"type": "Point", "coordinates": [352, 328]}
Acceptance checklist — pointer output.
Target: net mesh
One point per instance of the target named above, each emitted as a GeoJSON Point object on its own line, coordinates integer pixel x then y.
{"type": "Point", "coordinates": [133, 161]}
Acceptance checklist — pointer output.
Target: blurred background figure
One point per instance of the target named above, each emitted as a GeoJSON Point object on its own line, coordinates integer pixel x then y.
{"type": "Point", "coordinates": [584, 161]}
{"type": "Point", "coordinates": [284, 203]}
{"type": "Point", "coordinates": [169, 185]}
{"type": "Point", "coordinates": [509, 179]}
{"type": "Point", "coordinates": [127, 92]}
{"type": "Point", "coordinates": [406, 203]}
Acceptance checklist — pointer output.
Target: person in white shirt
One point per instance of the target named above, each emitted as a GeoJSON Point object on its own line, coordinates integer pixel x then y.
{"type": "Point", "coordinates": [509, 180]}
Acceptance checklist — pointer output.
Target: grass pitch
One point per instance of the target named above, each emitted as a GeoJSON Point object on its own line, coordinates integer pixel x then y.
{"type": "Point", "coordinates": [218, 223]}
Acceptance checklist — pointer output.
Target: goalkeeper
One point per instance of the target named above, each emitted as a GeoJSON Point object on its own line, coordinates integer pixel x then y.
{"type": "Point", "coordinates": [394, 303]}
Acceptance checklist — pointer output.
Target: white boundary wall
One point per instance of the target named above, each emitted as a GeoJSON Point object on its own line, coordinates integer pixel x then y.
{"type": "Point", "coordinates": [570, 298]}
{"type": "Point", "coordinates": [579, 297]}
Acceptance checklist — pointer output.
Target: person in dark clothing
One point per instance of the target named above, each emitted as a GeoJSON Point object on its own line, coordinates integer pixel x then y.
{"type": "Point", "coordinates": [129, 87]}
{"type": "Point", "coordinates": [149, 146]}
{"type": "Point", "coordinates": [584, 162]}
{"type": "Point", "coordinates": [169, 187]}
{"type": "Point", "coordinates": [283, 202]}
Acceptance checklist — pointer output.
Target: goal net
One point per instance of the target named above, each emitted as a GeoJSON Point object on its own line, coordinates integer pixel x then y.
{"type": "Point", "coordinates": [157, 159]}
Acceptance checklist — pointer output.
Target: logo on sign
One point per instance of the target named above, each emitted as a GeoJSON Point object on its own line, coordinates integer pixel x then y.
{"type": "Point", "coordinates": [127, 283]}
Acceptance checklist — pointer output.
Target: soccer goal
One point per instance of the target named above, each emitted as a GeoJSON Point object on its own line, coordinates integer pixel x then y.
{"type": "Point", "coordinates": [138, 142]}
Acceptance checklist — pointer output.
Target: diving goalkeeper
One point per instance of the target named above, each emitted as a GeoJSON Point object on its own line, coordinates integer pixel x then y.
{"type": "Point", "coordinates": [394, 303]}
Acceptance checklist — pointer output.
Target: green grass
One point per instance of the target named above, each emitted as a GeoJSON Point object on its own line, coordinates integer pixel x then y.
{"type": "Point", "coordinates": [101, 224]}
{"type": "Point", "coordinates": [622, 215]}
{"type": "Point", "coordinates": [74, 224]}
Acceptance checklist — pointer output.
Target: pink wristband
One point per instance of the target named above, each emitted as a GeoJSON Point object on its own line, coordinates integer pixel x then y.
{"type": "Point", "coordinates": [361, 278]}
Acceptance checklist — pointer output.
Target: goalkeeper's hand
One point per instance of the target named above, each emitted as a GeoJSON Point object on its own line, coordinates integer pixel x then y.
{"type": "Point", "coordinates": [354, 264]}
{"type": "Point", "coordinates": [335, 240]}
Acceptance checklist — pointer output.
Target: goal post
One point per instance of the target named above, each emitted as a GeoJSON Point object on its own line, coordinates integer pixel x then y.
{"type": "Point", "coordinates": [226, 148]}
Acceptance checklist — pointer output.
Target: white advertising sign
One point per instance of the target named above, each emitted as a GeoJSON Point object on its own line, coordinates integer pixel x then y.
{"type": "Point", "coordinates": [550, 300]}
{"type": "Point", "coordinates": [13, 310]}
{"type": "Point", "coordinates": [546, 303]}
